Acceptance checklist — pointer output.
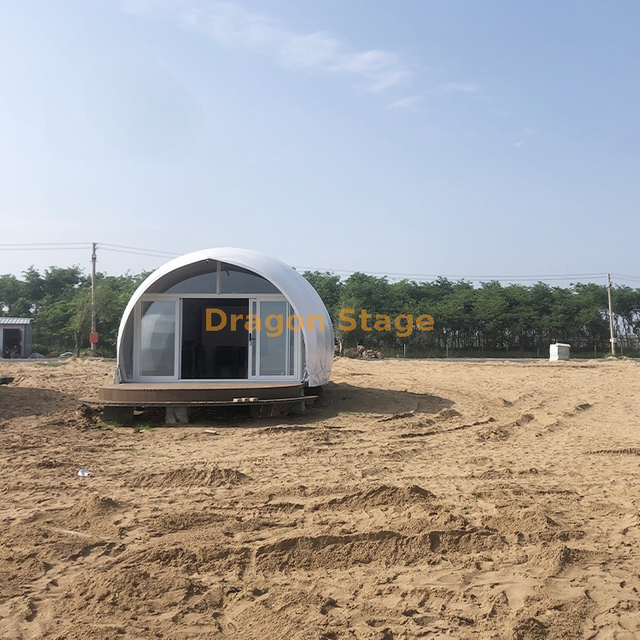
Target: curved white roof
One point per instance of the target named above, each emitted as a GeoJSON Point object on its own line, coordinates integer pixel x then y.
{"type": "Point", "coordinates": [319, 345]}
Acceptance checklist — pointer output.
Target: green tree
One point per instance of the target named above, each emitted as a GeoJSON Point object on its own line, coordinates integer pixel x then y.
{"type": "Point", "coordinates": [11, 292]}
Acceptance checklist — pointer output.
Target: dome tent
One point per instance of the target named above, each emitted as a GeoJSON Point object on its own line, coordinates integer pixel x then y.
{"type": "Point", "coordinates": [167, 330]}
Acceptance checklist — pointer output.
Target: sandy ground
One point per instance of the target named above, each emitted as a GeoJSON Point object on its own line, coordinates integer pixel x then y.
{"type": "Point", "coordinates": [418, 499]}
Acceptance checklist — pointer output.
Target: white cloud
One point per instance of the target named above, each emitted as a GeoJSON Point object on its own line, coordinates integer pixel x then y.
{"type": "Point", "coordinates": [232, 25]}
{"type": "Point", "coordinates": [311, 50]}
{"type": "Point", "coordinates": [411, 102]}
{"type": "Point", "coordinates": [463, 87]}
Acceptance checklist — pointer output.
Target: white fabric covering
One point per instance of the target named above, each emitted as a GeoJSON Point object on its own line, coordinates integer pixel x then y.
{"type": "Point", "coordinates": [319, 345]}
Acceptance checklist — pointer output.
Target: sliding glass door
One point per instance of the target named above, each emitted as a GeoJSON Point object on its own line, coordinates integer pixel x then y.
{"type": "Point", "coordinates": [249, 338]}
{"type": "Point", "coordinates": [209, 354]}
{"type": "Point", "coordinates": [273, 347]}
{"type": "Point", "coordinates": [157, 354]}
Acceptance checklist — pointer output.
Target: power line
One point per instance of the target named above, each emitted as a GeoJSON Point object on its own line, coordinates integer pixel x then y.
{"type": "Point", "coordinates": [45, 246]}
{"type": "Point", "coordinates": [41, 244]}
{"type": "Point", "coordinates": [58, 246]}
{"type": "Point", "coordinates": [475, 278]}
{"type": "Point", "coordinates": [622, 276]}
{"type": "Point", "coordinates": [149, 254]}
{"type": "Point", "coordinates": [137, 250]}
{"type": "Point", "coordinates": [158, 253]}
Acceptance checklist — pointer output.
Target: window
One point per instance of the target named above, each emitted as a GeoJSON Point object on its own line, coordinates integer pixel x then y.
{"type": "Point", "coordinates": [157, 338]}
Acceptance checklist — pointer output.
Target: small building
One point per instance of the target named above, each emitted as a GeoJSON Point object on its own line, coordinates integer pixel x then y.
{"type": "Point", "coordinates": [15, 337]}
{"type": "Point", "coordinates": [220, 326]}
{"type": "Point", "coordinates": [559, 351]}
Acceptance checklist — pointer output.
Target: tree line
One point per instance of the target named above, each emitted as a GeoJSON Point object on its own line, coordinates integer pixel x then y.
{"type": "Point", "coordinates": [59, 301]}
{"type": "Point", "coordinates": [487, 320]}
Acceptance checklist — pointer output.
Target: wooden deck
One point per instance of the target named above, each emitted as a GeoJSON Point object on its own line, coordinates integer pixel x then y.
{"type": "Point", "coordinates": [196, 393]}
{"type": "Point", "coordinates": [265, 398]}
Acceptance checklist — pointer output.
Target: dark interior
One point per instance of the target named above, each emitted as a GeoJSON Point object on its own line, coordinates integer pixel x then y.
{"type": "Point", "coordinates": [209, 355]}
{"type": "Point", "coordinates": [11, 338]}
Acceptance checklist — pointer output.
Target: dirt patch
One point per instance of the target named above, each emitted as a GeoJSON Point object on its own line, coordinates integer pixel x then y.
{"type": "Point", "coordinates": [415, 499]}
{"type": "Point", "coordinates": [380, 496]}
{"type": "Point", "coordinates": [211, 476]}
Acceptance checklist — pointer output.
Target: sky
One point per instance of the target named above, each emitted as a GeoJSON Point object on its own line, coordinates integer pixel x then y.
{"type": "Point", "coordinates": [420, 138]}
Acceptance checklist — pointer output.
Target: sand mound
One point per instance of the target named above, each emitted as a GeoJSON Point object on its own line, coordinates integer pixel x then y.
{"type": "Point", "coordinates": [558, 558]}
{"type": "Point", "coordinates": [531, 525]}
{"type": "Point", "coordinates": [448, 414]}
{"type": "Point", "coordinates": [174, 522]}
{"type": "Point", "coordinates": [196, 558]}
{"type": "Point", "coordinates": [384, 548]}
{"type": "Point", "coordinates": [380, 496]}
{"type": "Point", "coordinates": [211, 476]}
{"type": "Point", "coordinates": [95, 506]}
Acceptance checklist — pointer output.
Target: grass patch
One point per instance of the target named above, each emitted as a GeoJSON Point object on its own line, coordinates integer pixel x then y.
{"type": "Point", "coordinates": [111, 424]}
{"type": "Point", "coordinates": [114, 424]}
{"type": "Point", "coordinates": [56, 363]}
{"type": "Point", "coordinates": [144, 426]}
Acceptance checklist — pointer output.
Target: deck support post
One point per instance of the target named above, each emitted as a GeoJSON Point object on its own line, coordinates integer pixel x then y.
{"type": "Point", "coordinates": [121, 415]}
{"type": "Point", "coordinates": [177, 415]}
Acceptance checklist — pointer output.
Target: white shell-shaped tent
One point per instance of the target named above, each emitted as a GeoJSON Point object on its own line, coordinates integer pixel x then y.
{"type": "Point", "coordinates": [303, 298]}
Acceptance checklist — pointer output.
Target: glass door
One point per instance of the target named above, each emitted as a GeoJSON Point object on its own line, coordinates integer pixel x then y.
{"type": "Point", "coordinates": [214, 339]}
{"type": "Point", "coordinates": [157, 339]}
{"type": "Point", "coordinates": [273, 346]}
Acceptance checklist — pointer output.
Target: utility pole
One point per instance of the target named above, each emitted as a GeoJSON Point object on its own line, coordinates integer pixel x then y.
{"type": "Point", "coordinates": [94, 344]}
{"type": "Point", "coordinates": [612, 337]}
